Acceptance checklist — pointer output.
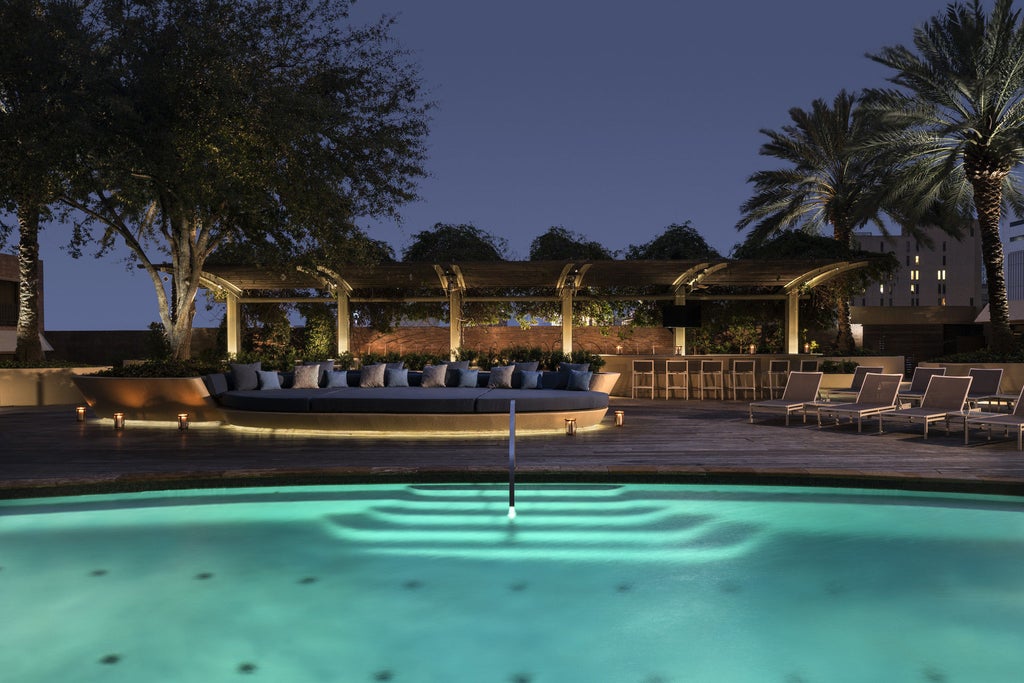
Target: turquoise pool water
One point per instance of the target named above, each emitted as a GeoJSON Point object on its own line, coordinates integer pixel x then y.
{"type": "Point", "coordinates": [635, 583]}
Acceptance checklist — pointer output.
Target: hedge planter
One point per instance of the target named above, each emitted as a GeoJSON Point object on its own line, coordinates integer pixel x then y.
{"type": "Point", "coordinates": [149, 398]}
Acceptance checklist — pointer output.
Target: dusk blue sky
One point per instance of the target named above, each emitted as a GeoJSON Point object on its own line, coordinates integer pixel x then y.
{"type": "Point", "coordinates": [611, 119]}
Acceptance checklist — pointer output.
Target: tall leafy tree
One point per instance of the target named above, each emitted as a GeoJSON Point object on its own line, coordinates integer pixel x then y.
{"type": "Point", "coordinates": [269, 120]}
{"type": "Point", "coordinates": [827, 183]}
{"type": "Point", "coordinates": [955, 123]}
{"type": "Point", "coordinates": [559, 244]}
{"type": "Point", "coordinates": [679, 241]}
{"type": "Point", "coordinates": [451, 243]}
{"type": "Point", "coordinates": [46, 67]}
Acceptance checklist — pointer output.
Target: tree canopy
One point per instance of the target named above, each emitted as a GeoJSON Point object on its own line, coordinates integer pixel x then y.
{"type": "Point", "coordinates": [679, 241]}
{"type": "Point", "coordinates": [264, 120]}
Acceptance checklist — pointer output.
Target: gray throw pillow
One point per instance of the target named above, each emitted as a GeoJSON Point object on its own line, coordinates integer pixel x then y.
{"type": "Point", "coordinates": [567, 367]}
{"type": "Point", "coordinates": [433, 376]}
{"type": "Point", "coordinates": [269, 379]}
{"type": "Point", "coordinates": [337, 379]}
{"type": "Point", "coordinates": [244, 377]}
{"type": "Point", "coordinates": [372, 375]}
{"type": "Point", "coordinates": [579, 380]}
{"type": "Point", "coordinates": [531, 380]}
{"type": "Point", "coordinates": [326, 366]}
{"type": "Point", "coordinates": [306, 377]}
{"type": "Point", "coordinates": [395, 366]}
{"type": "Point", "coordinates": [467, 378]}
{"type": "Point", "coordinates": [451, 378]}
{"type": "Point", "coordinates": [527, 366]}
{"type": "Point", "coordinates": [396, 377]}
{"type": "Point", "coordinates": [501, 377]}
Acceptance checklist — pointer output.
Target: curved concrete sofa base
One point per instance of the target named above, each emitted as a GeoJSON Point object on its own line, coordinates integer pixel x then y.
{"type": "Point", "coordinates": [149, 398]}
{"type": "Point", "coordinates": [440, 423]}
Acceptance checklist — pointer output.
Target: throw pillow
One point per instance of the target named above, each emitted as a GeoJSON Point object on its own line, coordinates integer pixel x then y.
{"type": "Point", "coordinates": [269, 379]}
{"type": "Point", "coordinates": [501, 377]}
{"type": "Point", "coordinates": [395, 366]}
{"type": "Point", "coordinates": [527, 366]}
{"type": "Point", "coordinates": [451, 378]}
{"type": "Point", "coordinates": [579, 380]}
{"type": "Point", "coordinates": [326, 366]}
{"type": "Point", "coordinates": [567, 367]}
{"type": "Point", "coordinates": [531, 380]}
{"type": "Point", "coordinates": [306, 377]}
{"type": "Point", "coordinates": [337, 379]}
{"type": "Point", "coordinates": [467, 378]}
{"type": "Point", "coordinates": [395, 377]}
{"type": "Point", "coordinates": [372, 375]}
{"type": "Point", "coordinates": [244, 377]}
{"type": "Point", "coordinates": [433, 376]}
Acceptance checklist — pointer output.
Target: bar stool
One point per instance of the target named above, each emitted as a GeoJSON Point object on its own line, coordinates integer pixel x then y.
{"type": "Point", "coordinates": [741, 371]}
{"type": "Point", "coordinates": [677, 378]}
{"type": "Point", "coordinates": [809, 365]}
{"type": "Point", "coordinates": [778, 373]}
{"type": "Point", "coordinates": [643, 376]}
{"type": "Point", "coordinates": [712, 378]}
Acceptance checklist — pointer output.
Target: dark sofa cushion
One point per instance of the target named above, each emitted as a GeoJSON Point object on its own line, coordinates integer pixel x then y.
{"type": "Point", "coordinates": [216, 384]}
{"type": "Point", "coordinates": [397, 400]}
{"type": "Point", "coordinates": [540, 400]}
{"type": "Point", "coordinates": [273, 400]}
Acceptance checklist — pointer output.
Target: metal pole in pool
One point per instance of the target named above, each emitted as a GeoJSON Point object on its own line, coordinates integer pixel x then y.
{"type": "Point", "coordinates": [512, 459]}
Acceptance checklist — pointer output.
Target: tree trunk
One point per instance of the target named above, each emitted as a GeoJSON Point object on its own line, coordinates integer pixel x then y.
{"type": "Point", "coordinates": [843, 233]}
{"type": "Point", "coordinates": [988, 203]}
{"type": "Point", "coordinates": [29, 348]}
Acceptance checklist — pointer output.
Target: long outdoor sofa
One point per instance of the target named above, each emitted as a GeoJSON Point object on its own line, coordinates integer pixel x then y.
{"type": "Point", "coordinates": [448, 408]}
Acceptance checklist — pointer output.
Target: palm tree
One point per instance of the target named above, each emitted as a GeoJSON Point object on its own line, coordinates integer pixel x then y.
{"type": "Point", "coordinates": [825, 184]}
{"type": "Point", "coordinates": [956, 123]}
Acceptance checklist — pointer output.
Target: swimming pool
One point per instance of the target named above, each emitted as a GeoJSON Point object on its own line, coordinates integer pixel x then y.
{"type": "Point", "coordinates": [632, 583]}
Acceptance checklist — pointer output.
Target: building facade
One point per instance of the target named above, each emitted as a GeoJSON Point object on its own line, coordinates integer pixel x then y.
{"type": "Point", "coordinates": [9, 305]}
{"type": "Point", "coordinates": [928, 307]}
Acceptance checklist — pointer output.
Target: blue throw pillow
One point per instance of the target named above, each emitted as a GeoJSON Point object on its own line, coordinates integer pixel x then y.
{"type": "Point", "coordinates": [530, 380]}
{"type": "Point", "coordinates": [395, 377]}
{"type": "Point", "coordinates": [579, 380]}
{"type": "Point", "coordinates": [467, 378]}
{"type": "Point", "coordinates": [269, 379]}
{"type": "Point", "coordinates": [337, 379]}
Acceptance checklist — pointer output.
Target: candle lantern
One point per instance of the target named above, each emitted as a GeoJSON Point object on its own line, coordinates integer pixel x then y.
{"type": "Point", "coordinates": [619, 416]}
{"type": "Point", "coordinates": [807, 347]}
{"type": "Point", "coordinates": [183, 421]}
{"type": "Point", "coordinates": [570, 426]}
{"type": "Point", "coordinates": [118, 421]}
{"type": "Point", "coordinates": [80, 413]}
{"type": "Point", "coordinates": [753, 349]}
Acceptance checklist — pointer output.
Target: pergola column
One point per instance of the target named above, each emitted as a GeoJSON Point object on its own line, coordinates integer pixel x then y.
{"type": "Point", "coordinates": [567, 320]}
{"type": "Point", "coordinates": [793, 321]}
{"type": "Point", "coordinates": [455, 321]}
{"type": "Point", "coordinates": [679, 339]}
{"type": "Point", "coordinates": [344, 322]}
{"type": "Point", "coordinates": [234, 324]}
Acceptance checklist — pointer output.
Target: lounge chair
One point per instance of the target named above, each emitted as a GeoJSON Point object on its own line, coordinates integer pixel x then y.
{"type": "Point", "coordinates": [918, 384]}
{"type": "Point", "coordinates": [859, 373]}
{"type": "Point", "coordinates": [985, 387]}
{"type": "Point", "coordinates": [801, 389]}
{"type": "Point", "coordinates": [1014, 420]}
{"type": "Point", "coordinates": [945, 394]}
{"type": "Point", "coordinates": [876, 395]}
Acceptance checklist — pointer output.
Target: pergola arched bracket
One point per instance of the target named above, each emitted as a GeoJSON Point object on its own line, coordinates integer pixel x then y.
{"type": "Point", "coordinates": [333, 280]}
{"type": "Point", "coordinates": [818, 276]}
{"type": "Point", "coordinates": [213, 282]}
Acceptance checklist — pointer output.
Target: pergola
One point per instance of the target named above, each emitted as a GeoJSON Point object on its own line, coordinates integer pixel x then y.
{"type": "Point", "coordinates": [676, 281]}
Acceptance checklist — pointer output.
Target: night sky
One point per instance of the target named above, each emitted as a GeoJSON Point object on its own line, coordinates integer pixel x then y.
{"type": "Point", "coordinates": [611, 119]}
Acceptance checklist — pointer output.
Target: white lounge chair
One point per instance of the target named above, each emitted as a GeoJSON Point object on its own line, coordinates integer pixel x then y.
{"type": "Point", "coordinates": [876, 395]}
{"type": "Point", "coordinates": [859, 373]}
{"type": "Point", "coordinates": [988, 421]}
{"type": "Point", "coordinates": [918, 384]}
{"type": "Point", "coordinates": [801, 389]}
{"type": "Point", "coordinates": [945, 394]}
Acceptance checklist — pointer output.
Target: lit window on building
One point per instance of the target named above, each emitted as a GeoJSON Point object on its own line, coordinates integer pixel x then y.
{"type": "Point", "coordinates": [941, 273]}
{"type": "Point", "coordinates": [942, 301]}
{"type": "Point", "coordinates": [917, 259]}
{"type": "Point", "coordinates": [913, 287]}
{"type": "Point", "coordinates": [915, 275]}
{"type": "Point", "coordinates": [881, 288]}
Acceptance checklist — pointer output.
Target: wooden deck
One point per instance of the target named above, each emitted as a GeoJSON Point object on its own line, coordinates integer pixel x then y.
{"type": "Point", "coordinates": [43, 451]}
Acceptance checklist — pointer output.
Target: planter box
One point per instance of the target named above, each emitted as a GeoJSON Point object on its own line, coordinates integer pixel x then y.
{"type": "Point", "coordinates": [41, 386]}
{"type": "Point", "coordinates": [150, 398]}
